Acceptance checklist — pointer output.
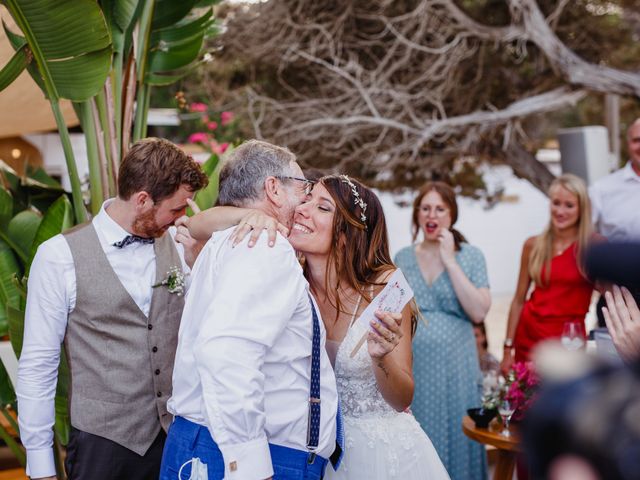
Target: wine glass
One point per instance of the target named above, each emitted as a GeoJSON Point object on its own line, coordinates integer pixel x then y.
{"type": "Point", "coordinates": [573, 337]}
{"type": "Point", "coordinates": [505, 409]}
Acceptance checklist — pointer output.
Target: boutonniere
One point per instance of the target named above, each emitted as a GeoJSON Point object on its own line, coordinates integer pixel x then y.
{"type": "Point", "coordinates": [174, 281]}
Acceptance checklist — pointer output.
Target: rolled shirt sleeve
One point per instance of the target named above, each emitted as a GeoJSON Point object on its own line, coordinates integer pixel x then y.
{"type": "Point", "coordinates": [230, 351]}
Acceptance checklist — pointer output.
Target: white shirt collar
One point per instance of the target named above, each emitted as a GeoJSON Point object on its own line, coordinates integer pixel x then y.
{"type": "Point", "coordinates": [629, 173]}
{"type": "Point", "coordinates": [111, 231]}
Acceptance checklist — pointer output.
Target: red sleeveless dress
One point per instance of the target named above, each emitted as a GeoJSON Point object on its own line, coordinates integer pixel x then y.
{"type": "Point", "coordinates": [565, 298]}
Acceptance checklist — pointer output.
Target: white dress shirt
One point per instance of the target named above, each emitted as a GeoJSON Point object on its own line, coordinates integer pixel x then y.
{"type": "Point", "coordinates": [615, 200]}
{"type": "Point", "coordinates": [243, 362]}
{"type": "Point", "coordinates": [51, 298]}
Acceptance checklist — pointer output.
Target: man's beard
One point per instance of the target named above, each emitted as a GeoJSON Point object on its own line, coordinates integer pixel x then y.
{"type": "Point", "coordinates": [145, 225]}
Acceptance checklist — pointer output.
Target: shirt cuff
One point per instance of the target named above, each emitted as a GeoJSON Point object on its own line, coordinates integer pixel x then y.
{"type": "Point", "coordinates": [40, 463]}
{"type": "Point", "coordinates": [248, 460]}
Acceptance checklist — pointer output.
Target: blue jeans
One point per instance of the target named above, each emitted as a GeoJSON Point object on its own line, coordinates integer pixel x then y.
{"type": "Point", "coordinates": [187, 440]}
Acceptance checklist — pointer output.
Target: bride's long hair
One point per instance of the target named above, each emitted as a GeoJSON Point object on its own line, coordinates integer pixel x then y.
{"type": "Point", "coordinates": [359, 253]}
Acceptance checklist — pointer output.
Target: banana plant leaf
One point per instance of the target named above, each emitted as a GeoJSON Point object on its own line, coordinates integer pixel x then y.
{"type": "Point", "coordinates": [9, 292]}
{"type": "Point", "coordinates": [177, 46]}
{"type": "Point", "coordinates": [10, 178]}
{"type": "Point", "coordinates": [120, 16]}
{"type": "Point", "coordinates": [6, 208]}
{"type": "Point", "coordinates": [170, 12]}
{"type": "Point", "coordinates": [36, 189]}
{"type": "Point", "coordinates": [59, 217]}
{"type": "Point", "coordinates": [62, 420]}
{"type": "Point", "coordinates": [43, 178]}
{"type": "Point", "coordinates": [16, 329]}
{"type": "Point", "coordinates": [207, 197]}
{"type": "Point", "coordinates": [15, 67]}
{"type": "Point", "coordinates": [73, 61]}
{"type": "Point", "coordinates": [17, 42]}
{"type": "Point", "coordinates": [7, 393]}
{"type": "Point", "coordinates": [183, 30]}
{"type": "Point", "coordinates": [21, 231]}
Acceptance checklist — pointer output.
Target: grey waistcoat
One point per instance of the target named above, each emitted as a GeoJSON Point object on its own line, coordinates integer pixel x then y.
{"type": "Point", "coordinates": [121, 362]}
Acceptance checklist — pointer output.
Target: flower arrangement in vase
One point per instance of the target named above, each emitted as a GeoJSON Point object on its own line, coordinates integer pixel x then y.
{"type": "Point", "coordinates": [520, 388]}
{"type": "Point", "coordinates": [491, 392]}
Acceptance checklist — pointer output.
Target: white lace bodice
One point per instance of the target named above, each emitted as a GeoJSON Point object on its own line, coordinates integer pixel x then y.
{"type": "Point", "coordinates": [357, 386]}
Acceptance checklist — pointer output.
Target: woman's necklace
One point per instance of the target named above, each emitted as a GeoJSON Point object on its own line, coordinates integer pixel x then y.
{"type": "Point", "coordinates": [559, 248]}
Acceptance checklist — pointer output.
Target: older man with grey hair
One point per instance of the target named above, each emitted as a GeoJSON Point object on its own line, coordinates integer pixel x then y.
{"type": "Point", "coordinates": [254, 394]}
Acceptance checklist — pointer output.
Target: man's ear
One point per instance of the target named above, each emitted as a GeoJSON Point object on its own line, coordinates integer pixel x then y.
{"type": "Point", "coordinates": [274, 191]}
{"type": "Point", "coordinates": [142, 201]}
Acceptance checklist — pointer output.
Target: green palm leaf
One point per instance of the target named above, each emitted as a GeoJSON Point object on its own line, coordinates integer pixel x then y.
{"type": "Point", "coordinates": [6, 208]}
{"type": "Point", "coordinates": [22, 230]}
{"type": "Point", "coordinates": [176, 47]}
{"type": "Point", "coordinates": [62, 423]}
{"type": "Point", "coordinates": [9, 292]}
{"type": "Point", "coordinates": [169, 12]}
{"type": "Point", "coordinates": [16, 329]}
{"type": "Point", "coordinates": [120, 16]}
{"type": "Point", "coordinates": [206, 197]}
{"type": "Point", "coordinates": [73, 61]}
{"type": "Point", "coordinates": [58, 218]}
{"type": "Point", "coordinates": [14, 68]}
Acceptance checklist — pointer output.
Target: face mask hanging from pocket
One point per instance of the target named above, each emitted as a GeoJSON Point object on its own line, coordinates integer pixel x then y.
{"type": "Point", "coordinates": [198, 470]}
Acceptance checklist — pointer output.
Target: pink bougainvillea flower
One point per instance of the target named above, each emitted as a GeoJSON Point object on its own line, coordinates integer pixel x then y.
{"type": "Point", "coordinates": [215, 147]}
{"type": "Point", "coordinates": [198, 107]}
{"type": "Point", "coordinates": [226, 118]}
{"type": "Point", "coordinates": [212, 125]}
{"type": "Point", "coordinates": [223, 147]}
{"type": "Point", "coordinates": [198, 137]}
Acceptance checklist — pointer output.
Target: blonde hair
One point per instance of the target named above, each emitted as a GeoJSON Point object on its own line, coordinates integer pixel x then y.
{"type": "Point", "coordinates": [542, 251]}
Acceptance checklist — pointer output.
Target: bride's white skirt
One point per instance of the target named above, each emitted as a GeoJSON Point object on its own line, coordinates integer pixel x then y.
{"type": "Point", "coordinates": [386, 447]}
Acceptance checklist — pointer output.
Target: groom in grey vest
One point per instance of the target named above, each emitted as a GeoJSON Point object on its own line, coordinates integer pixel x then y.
{"type": "Point", "coordinates": [111, 292]}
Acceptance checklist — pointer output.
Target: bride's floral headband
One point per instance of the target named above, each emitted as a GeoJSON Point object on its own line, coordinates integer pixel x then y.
{"type": "Point", "coordinates": [356, 198]}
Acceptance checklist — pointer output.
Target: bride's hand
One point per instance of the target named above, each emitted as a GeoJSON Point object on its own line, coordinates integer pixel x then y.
{"type": "Point", "coordinates": [386, 334]}
{"type": "Point", "coordinates": [255, 222]}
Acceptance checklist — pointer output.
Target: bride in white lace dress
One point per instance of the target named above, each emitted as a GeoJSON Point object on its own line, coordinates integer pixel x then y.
{"type": "Point", "coordinates": [341, 232]}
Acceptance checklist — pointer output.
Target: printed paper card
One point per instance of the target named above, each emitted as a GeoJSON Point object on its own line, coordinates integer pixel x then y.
{"type": "Point", "coordinates": [393, 298]}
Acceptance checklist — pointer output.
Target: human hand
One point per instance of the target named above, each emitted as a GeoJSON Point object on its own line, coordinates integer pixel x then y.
{"type": "Point", "coordinates": [447, 247]}
{"type": "Point", "coordinates": [255, 222]}
{"type": "Point", "coordinates": [183, 221]}
{"type": "Point", "coordinates": [507, 362]}
{"type": "Point", "coordinates": [192, 247]}
{"type": "Point", "coordinates": [622, 317]}
{"type": "Point", "coordinates": [386, 334]}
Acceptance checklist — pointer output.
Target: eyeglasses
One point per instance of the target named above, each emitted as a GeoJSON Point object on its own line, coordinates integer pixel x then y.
{"type": "Point", "coordinates": [308, 184]}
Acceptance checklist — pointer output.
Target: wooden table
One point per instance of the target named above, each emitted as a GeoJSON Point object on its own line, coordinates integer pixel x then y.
{"type": "Point", "coordinates": [14, 474]}
{"type": "Point", "coordinates": [507, 446]}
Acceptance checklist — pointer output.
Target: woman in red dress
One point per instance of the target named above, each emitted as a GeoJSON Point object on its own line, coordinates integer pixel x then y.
{"type": "Point", "coordinates": [552, 262]}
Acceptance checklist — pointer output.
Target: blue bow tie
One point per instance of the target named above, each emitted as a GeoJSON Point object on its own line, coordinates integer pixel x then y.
{"type": "Point", "coordinates": [129, 239]}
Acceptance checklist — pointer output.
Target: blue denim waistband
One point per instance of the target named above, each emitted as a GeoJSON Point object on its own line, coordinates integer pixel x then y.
{"type": "Point", "coordinates": [283, 456]}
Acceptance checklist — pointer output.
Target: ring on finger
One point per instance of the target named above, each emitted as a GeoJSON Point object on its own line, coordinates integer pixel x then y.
{"type": "Point", "coordinates": [392, 337]}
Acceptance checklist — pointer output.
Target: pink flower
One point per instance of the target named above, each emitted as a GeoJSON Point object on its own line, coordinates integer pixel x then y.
{"type": "Point", "coordinates": [212, 125]}
{"type": "Point", "coordinates": [199, 137]}
{"type": "Point", "coordinates": [226, 118]}
{"type": "Point", "coordinates": [215, 147]}
{"type": "Point", "coordinates": [223, 147]}
{"type": "Point", "coordinates": [198, 107]}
